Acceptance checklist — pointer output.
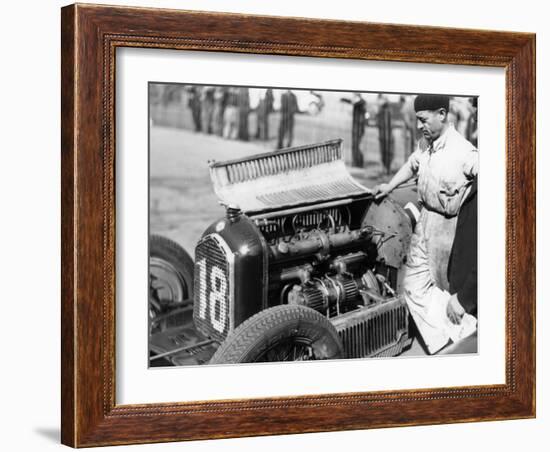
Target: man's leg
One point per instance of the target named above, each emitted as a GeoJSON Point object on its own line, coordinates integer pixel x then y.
{"type": "Point", "coordinates": [427, 303]}
{"type": "Point", "coordinates": [290, 131]}
{"type": "Point", "coordinates": [281, 132]}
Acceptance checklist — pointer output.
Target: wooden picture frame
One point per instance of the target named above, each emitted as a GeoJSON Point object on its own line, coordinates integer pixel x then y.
{"type": "Point", "coordinates": [90, 37]}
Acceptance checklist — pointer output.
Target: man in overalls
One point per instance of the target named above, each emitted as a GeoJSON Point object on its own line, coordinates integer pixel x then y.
{"type": "Point", "coordinates": [445, 163]}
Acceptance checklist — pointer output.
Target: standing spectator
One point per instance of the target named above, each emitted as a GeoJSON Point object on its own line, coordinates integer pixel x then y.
{"type": "Point", "coordinates": [194, 103]}
{"type": "Point", "coordinates": [289, 107]}
{"type": "Point", "coordinates": [265, 107]}
{"type": "Point", "coordinates": [219, 107]}
{"type": "Point", "coordinates": [462, 270]}
{"type": "Point", "coordinates": [471, 130]}
{"type": "Point", "coordinates": [385, 136]}
{"type": "Point", "coordinates": [243, 103]}
{"type": "Point", "coordinates": [408, 116]}
{"type": "Point", "coordinates": [460, 112]}
{"type": "Point", "coordinates": [358, 124]}
{"type": "Point", "coordinates": [231, 115]}
{"type": "Point", "coordinates": [207, 108]}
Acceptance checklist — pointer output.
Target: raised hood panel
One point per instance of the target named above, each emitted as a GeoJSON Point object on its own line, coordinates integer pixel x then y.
{"type": "Point", "coordinates": [288, 177]}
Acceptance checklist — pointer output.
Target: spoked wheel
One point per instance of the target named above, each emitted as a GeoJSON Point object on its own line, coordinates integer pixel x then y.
{"type": "Point", "coordinates": [292, 349]}
{"type": "Point", "coordinates": [170, 281]}
{"type": "Point", "coordinates": [281, 333]}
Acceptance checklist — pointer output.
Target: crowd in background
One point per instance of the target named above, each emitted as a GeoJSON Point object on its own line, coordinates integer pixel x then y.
{"type": "Point", "coordinates": [225, 111]}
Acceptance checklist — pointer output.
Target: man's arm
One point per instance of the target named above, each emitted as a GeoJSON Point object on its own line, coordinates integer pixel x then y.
{"type": "Point", "coordinates": [404, 174]}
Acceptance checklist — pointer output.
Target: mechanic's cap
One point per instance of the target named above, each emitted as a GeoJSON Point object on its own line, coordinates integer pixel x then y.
{"type": "Point", "coordinates": [431, 102]}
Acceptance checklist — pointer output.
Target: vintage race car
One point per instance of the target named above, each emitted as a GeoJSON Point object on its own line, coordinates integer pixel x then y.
{"type": "Point", "coordinates": [304, 265]}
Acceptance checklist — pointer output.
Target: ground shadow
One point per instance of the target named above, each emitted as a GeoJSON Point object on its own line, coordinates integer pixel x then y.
{"type": "Point", "coordinates": [50, 433]}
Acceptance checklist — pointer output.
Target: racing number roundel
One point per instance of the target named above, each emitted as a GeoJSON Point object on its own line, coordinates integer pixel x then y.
{"type": "Point", "coordinates": [212, 300]}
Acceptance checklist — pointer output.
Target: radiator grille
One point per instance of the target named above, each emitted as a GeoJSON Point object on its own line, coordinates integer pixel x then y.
{"type": "Point", "coordinates": [212, 310]}
{"type": "Point", "coordinates": [378, 331]}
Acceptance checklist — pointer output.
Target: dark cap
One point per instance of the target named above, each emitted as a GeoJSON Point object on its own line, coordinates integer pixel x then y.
{"type": "Point", "coordinates": [431, 102]}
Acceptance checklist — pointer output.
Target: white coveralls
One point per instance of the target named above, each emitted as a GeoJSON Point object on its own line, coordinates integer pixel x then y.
{"type": "Point", "coordinates": [444, 171]}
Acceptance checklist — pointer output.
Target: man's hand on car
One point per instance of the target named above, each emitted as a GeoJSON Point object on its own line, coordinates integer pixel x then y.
{"type": "Point", "coordinates": [382, 190]}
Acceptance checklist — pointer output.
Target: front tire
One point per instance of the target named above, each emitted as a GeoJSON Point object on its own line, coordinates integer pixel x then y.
{"type": "Point", "coordinates": [281, 333]}
{"type": "Point", "coordinates": [171, 272]}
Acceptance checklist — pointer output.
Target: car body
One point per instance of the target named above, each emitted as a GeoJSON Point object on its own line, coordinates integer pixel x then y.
{"type": "Point", "coordinates": [305, 264]}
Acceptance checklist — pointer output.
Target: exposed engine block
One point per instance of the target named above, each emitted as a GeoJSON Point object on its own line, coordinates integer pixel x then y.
{"type": "Point", "coordinates": [299, 230]}
{"type": "Point", "coordinates": [318, 261]}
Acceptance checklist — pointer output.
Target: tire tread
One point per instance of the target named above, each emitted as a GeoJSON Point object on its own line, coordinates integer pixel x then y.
{"type": "Point", "coordinates": [250, 333]}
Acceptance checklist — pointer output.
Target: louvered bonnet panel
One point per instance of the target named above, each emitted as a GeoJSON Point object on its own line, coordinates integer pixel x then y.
{"type": "Point", "coordinates": [283, 178]}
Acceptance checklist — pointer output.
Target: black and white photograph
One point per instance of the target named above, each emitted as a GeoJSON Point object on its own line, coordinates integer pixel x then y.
{"type": "Point", "coordinates": [310, 224]}
{"type": "Point", "coordinates": [252, 226]}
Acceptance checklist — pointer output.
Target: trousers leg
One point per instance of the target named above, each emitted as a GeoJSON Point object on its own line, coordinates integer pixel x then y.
{"type": "Point", "coordinates": [426, 301]}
